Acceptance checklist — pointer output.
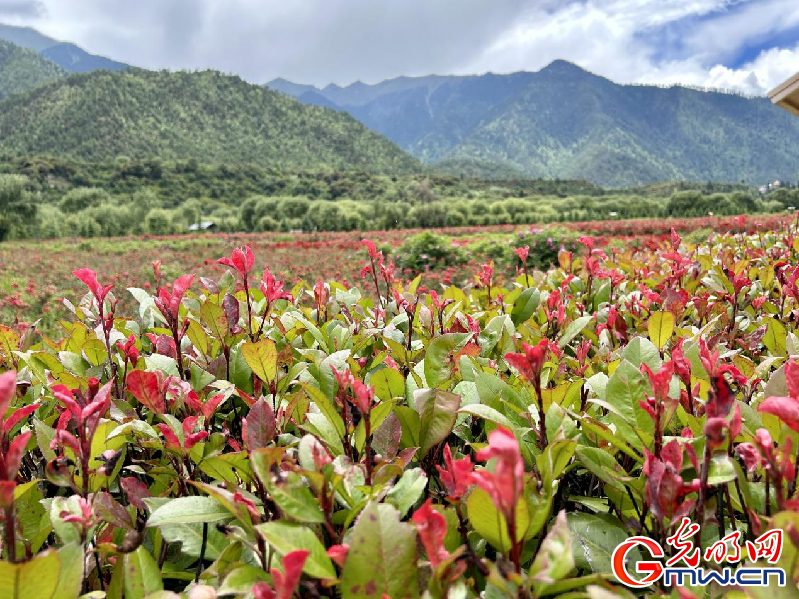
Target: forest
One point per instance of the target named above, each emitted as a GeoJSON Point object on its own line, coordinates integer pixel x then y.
{"type": "Point", "coordinates": [50, 198]}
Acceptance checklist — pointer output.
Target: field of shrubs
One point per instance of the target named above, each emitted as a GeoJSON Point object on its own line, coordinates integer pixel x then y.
{"type": "Point", "coordinates": [487, 414]}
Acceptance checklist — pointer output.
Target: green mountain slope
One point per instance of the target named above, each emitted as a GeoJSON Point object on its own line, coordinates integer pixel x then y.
{"type": "Point", "coordinates": [568, 123]}
{"type": "Point", "coordinates": [203, 115]}
{"type": "Point", "coordinates": [21, 69]}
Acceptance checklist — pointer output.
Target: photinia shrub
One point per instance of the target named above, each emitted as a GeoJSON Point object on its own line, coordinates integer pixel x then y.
{"type": "Point", "coordinates": [235, 437]}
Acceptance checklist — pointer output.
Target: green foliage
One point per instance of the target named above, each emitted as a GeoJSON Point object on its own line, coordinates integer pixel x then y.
{"type": "Point", "coordinates": [233, 437]}
{"type": "Point", "coordinates": [17, 209]}
{"type": "Point", "coordinates": [201, 115]}
{"type": "Point", "coordinates": [22, 69]}
{"type": "Point", "coordinates": [256, 199]}
{"type": "Point", "coordinates": [428, 250]}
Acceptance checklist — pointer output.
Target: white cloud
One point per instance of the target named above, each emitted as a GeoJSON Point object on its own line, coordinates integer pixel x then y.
{"type": "Point", "coordinates": [318, 41]}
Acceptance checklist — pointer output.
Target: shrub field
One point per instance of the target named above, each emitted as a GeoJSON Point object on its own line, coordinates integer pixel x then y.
{"type": "Point", "coordinates": [483, 412]}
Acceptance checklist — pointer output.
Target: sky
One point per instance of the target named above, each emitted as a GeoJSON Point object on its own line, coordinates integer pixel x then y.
{"type": "Point", "coordinates": [743, 45]}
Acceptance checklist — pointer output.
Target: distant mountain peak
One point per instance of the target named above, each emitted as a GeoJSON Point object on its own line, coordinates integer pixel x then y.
{"type": "Point", "coordinates": [564, 68]}
{"type": "Point", "coordinates": [67, 55]}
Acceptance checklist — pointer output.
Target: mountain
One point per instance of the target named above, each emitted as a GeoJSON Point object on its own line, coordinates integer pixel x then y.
{"type": "Point", "coordinates": [565, 122]}
{"type": "Point", "coordinates": [205, 115]}
{"type": "Point", "coordinates": [68, 56]}
{"type": "Point", "coordinates": [21, 69]}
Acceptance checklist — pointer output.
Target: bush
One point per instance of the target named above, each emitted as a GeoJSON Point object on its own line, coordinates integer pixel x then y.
{"type": "Point", "coordinates": [545, 244]}
{"type": "Point", "coordinates": [158, 222]}
{"type": "Point", "coordinates": [428, 250]}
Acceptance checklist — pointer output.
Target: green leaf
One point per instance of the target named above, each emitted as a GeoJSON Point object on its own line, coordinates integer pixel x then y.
{"type": "Point", "coordinates": [594, 538]}
{"type": "Point", "coordinates": [660, 327]}
{"type": "Point", "coordinates": [721, 469]}
{"type": "Point", "coordinates": [573, 330]}
{"type": "Point", "coordinates": [190, 536]}
{"type": "Point", "coordinates": [286, 537]}
{"type": "Point", "coordinates": [625, 389]}
{"type": "Point", "coordinates": [486, 413]}
{"type": "Point", "coordinates": [189, 509]}
{"type": "Point", "coordinates": [38, 578]}
{"type": "Point", "coordinates": [408, 489]}
{"type": "Point", "coordinates": [296, 500]}
{"type": "Point", "coordinates": [241, 580]}
{"type": "Point", "coordinates": [327, 407]}
{"type": "Point", "coordinates": [438, 411]}
{"type": "Point", "coordinates": [554, 560]}
{"type": "Point", "coordinates": [525, 306]}
{"type": "Point", "coordinates": [141, 576]}
{"type": "Point", "coordinates": [437, 362]}
{"type": "Point", "coordinates": [490, 523]}
{"type": "Point", "coordinates": [388, 384]}
{"type": "Point", "coordinates": [215, 319]}
{"type": "Point", "coordinates": [262, 358]}
{"type": "Point", "coordinates": [382, 556]}
{"type": "Point", "coordinates": [71, 575]}
{"type": "Point", "coordinates": [555, 458]}
{"type": "Point", "coordinates": [641, 350]}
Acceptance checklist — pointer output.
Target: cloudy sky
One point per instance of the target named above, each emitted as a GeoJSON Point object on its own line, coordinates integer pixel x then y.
{"type": "Point", "coordinates": [748, 45]}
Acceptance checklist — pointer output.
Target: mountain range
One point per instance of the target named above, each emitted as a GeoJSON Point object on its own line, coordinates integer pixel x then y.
{"type": "Point", "coordinates": [565, 122]}
{"type": "Point", "coordinates": [68, 56]}
{"type": "Point", "coordinates": [211, 117]}
{"type": "Point", "coordinates": [561, 122]}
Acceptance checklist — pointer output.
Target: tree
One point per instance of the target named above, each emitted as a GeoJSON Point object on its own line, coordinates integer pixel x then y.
{"type": "Point", "coordinates": [158, 222]}
{"type": "Point", "coordinates": [17, 210]}
{"type": "Point", "coordinates": [83, 198]}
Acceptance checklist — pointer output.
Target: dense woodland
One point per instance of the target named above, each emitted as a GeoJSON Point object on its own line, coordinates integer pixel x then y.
{"type": "Point", "coordinates": [21, 69]}
{"type": "Point", "coordinates": [45, 197]}
{"type": "Point", "coordinates": [206, 115]}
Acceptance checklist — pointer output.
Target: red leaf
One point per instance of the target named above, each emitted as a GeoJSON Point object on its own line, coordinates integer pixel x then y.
{"type": "Point", "coordinates": [210, 407]}
{"type": "Point", "coordinates": [89, 278]}
{"type": "Point", "coordinates": [109, 509]}
{"type": "Point", "coordinates": [14, 455]}
{"type": "Point", "coordinates": [285, 582]}
{"type": "Point", "coordinates": [259, 427]}
{"type": "Point", "coordinates": [8, 387]}
{"type": "Point", "coordinates": [180, 286]}
{"type": "Point", "coordinates": [785, 408]}
{"type": "Point", "coordinates": [432, 529]}
{"type": "Point", "coordinates": [18, 416]}
{"type": "Point", "coordinates": [170, 436]}
{"type": "Point", "coordinates": [146, 387]}
{"type": "Point", "coordinates": [136, 491]}
{"type": "Point", "coordinates": [231, 307]}
{"type": "Point", "coordinates": [792, 377]}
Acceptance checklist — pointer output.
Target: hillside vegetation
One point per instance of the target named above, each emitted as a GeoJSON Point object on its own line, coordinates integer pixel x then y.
{"type": "Point", "coordinates": [153, 196]}
{"type": "Point", "coordinates": [22, 69]}
{"type": "Point", "coordinates": [566, 122]}
{"type": "Point", "coordinates": [203, 115]}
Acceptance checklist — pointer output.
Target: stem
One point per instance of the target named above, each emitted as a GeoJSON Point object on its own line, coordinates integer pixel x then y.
{"type": "Point", "coordinates": [10, 541]}
{"type": "Point", "coordinates": [249, 308]}
{"type": "Point", "coordinates": [202, 553]}
{"type": "Point", "coordinates": [368, 446]}
{"type": "Point", "coordinates": [700, 507]}
{"type": "Point", "coordinates": [542, 417]}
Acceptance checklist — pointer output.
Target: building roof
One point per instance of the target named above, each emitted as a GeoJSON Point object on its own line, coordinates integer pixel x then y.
{"type": "Point", "coordinates": [786, 95]}
{"type": "Point", "coordinates": [202, 226]}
